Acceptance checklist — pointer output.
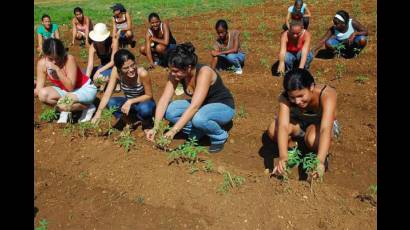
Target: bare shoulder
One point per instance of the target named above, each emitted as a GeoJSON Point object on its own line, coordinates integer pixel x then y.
{"type": "Point", "coordinates": [142, 72]}
{"type": "Point", "coordinates": [328, 93]}
{"type": "Point", "coordinates": [41, 62]}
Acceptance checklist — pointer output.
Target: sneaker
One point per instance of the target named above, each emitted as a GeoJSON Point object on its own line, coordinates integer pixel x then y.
{"type": "Point", "coordinates": [87, 114]}
{"type": "Point", "coordinates": [216, 148]}
{"type": "Point", "coordinates": [238, 71]}
{"type": "Point", "coordinates": [63, 117]}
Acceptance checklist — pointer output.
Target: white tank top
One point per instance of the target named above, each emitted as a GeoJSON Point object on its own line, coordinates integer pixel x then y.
{"type": "Point", "coordinates": [343, 36]}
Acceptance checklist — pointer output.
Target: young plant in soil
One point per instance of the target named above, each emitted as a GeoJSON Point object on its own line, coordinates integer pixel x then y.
{"type": "Point", "coordinates": [242, 112]}
{"type": "Point", "coordinates": [247, 36]}
{"type": "Point", "coordinates": [161, 141]}
{"type": "Point", "coordinates": [209, 166]}
{"type": "Point", "coordinates": [105, 120]}
{"type": "Point", "coordinates": [193, 169]}
{"type": "Point", "coordinates": [310, 164]}
{"type": "Point", "coordinates": [85, 128]}
{"type": "Point", "coordinates": [48, 115]}
{"type": "Point", "coordinates": [43, 225]}
{"type": "Point", "coordinates": [65, 101]}
{"type": "Point", "coordinates": [230, 182]}
{"type": "Point", "coordinates": [294, 159]}
{"type": "Point", "coordinates": [264, 62]}
{"type": "Point", "coordinates": [339, 49]}
{"type": "Point", "coordinates": [187, 152]}
{"type": "Point", "coordinates": [340, 69]}
{"type": "Point", "coordinates": [126, 140]}
{"type": "Point", "coordinates": [361, 79]}
{"type": "Point", "coordinates": [84, 54]}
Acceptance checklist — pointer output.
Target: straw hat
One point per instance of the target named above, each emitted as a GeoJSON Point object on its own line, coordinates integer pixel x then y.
{"type": "Point", "coordinates": [99, 33]}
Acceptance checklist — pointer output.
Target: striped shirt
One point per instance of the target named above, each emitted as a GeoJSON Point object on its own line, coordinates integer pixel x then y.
{"type": "Point", "coordinates": [132, 91]}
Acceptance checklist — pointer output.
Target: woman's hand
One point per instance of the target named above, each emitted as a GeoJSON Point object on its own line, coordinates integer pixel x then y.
{"type": "Point", "coordinates": [170, 134]}
{"type": "Point", "coordinates": [281, 67]}
{"type": "Point", "coordinates": [280, 166]}
{"type": "Point", "coordinates": [96, 117]}
{"type": "Point", "coordinates": [351, 38]}
{"type": "Point", "coordinates": [126, 107]}
{"type": "Point", "coordinates": [215, 53]}
{"type": "Point", "coordinates": [320, 170]}
{"type": "Point", "coordinates": [150, 134]}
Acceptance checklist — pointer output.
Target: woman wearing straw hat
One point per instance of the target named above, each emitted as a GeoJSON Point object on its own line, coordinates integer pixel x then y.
{"type": "Point", "coordinates": [105, 47]}
{"type": "Point", "coordinates": [346, 35]}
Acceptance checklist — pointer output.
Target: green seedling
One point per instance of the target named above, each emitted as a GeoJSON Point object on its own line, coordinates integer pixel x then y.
{"type": "Point", "coordinates": [361, 79]}
{"type": "Point", "coordinates": [187, 152]}
{"type": "Point", "coordinates": [339, 49]}
{"type": "Point", "coordinates": [105, 119]}
{"type": "Point", "coordinates": [43, 225]}
{"type": "Point", "coordinates": [209, 47]}
{"type": "Point", "coordinates": [310, 164]}
{"type": "Point", "coordinates": [373, 189]}
{"type": "Point", "coordinates": [209, 166]}
{"type": "Point", "coordinates": [84, 128]}
{"type": "Point", "coordinates": [48, 115]}
{"type": "Point", "coordinates": [126, 140]}
{"type": "Point", "coordinates": [242, 112]}
{"type": "Point", "coordinates": [140, 200]}
{"type": "Point", "coordinates": [193, 169]}
{"type": "Point", "coordinates": [65, 102]}
{"type": "Point", "coordinates": [161, 141]}
{"type": "Point", "coordinates": [99, 81]}
{"type": "Point", "coordinates": [84, 54]}
{"type": "Point", "coordinates": [262, 27]}
{"type": "Point", "coordinates": [230, 182]}
{"type": "Point", "coordinates": [264, 62]}
{"type": "Point", "coordinates": [340, 69]}
{"type": "Point", "coordinates": [294, 159]}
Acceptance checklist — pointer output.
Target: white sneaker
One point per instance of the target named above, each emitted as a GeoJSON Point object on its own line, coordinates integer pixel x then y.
{"type": "Point", "coordinates": [87, 114]}
{"type": "Point", "coordinates": [239, 71]}
{"type": "Point", "coordinates": [63, 117]}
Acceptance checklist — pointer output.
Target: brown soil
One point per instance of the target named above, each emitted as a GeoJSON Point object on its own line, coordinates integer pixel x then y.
{"type": "Point", "coordinates": [92, 183]}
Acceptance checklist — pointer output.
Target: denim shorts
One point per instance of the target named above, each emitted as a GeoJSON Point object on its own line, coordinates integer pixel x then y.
{"type": "Point", "coordinates": [86, 94]}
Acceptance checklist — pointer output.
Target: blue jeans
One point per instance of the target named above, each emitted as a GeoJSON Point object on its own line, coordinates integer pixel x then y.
{"type": "Point", "coordinates": [333, 42]}
{"type": "Point", "coordinates": [235, 59]}
{"type": "Point", "coordinates": [291, 58]}
{"type": "Point", "coordinates": [207, 121]}
{"type": "Point", "coordinates": [142, 110]}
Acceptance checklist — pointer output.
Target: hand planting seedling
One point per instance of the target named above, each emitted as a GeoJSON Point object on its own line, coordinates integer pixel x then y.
{"type": "Point", "coordinates": [126, 140]}
{"type": "Point", "coordinates": [65, 102]}
{"type": "Point", "coordinates": [161, 141]}
{"type": "Point", "coordinates": [293, 161]}
{"type": "Point", "coordinates": [310, 164]}
{"type": "Point", "coordinates": [187, 152]}
{"type": "Point", "coordinates": [230, 182]}
{"type": "Point", "coordinates": [48, 115]}
{"type": "Point", "coordinates": [99, 81]}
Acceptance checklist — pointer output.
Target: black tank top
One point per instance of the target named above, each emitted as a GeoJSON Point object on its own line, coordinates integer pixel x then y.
{"type": "Point", "coordinates": [105, 55]}
{"type": "Point", "coordinates": [217, 93]}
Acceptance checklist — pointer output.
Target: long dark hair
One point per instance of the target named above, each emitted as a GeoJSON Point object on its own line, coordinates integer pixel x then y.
{"type": "Point", "coordinates": [297, 79]}
{"type": "Point", "coordinates": [183, 56]}
{"type": "Point", "coordinates": [54, 47]}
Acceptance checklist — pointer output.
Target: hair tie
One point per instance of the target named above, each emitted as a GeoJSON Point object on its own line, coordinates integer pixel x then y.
{"type": "Point", "coordinates": [339, 17]}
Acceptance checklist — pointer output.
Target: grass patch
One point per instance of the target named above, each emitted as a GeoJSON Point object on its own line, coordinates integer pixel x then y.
{"type": "Point", "coordinates": [61, 12]}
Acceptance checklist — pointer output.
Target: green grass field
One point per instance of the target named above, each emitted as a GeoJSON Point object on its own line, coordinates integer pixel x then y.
{"type": "Point", "coordinates": [61, 12]}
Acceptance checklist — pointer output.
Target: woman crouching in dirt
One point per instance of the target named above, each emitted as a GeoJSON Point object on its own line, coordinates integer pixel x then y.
{"type": "Point", "coordinates": [69, 82]}
{"type": "Point", "coordinates": [346, 35]}
{"type": "Point", "coordinates": [307, 111]}
{"type": "Point", "coordinates": [211, 106]}
{"type": "Point", "coordinates": [136, 85]}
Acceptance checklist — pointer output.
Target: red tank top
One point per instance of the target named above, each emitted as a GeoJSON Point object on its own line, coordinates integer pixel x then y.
{"type": "Point", "coordinates": [79, 81]}
{"type": "Point", "coordinates": [290, 47]}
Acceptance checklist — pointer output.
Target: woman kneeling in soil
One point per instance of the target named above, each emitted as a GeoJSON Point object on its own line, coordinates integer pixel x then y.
{"type": "Point", "coordinates": [211, 106]}
{"type": "Point", "coordinates": [158, 41]}
{"type": "Point", "coordinates": [298, 11]}
{"type": "Point", "coordinates": [136, 85]}
{"type": "Point", "coordinates": [227, 48]}
{"type": "Point", "coordinates": [105, 47]}
{"type": "Point", "coordinates": [294, 48]}
{"type": "Point", "coordinates": [69, 82]}
{"type": "Point", "coordinates": [308, 111]}
{"type": "Point", "coordinates": [347, 35]}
